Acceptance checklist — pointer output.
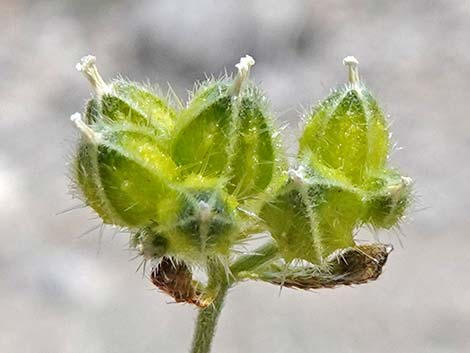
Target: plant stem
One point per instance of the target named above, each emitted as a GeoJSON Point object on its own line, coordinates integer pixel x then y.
{"type": "Point", "coordinates": [206, 323]}
{"type": "Point", "coordinates": [219, 284]}
{"type": "Point", "coordinates": [207, 318]}
{"type": "Point", "coordinates": [260, 256]}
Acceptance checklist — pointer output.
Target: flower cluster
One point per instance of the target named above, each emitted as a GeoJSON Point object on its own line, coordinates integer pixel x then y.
{"type": "Point", "coordinates": [192, 183]}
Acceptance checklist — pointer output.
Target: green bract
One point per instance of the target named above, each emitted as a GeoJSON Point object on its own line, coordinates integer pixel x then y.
{"type": "Point", "coordinates": [226, 132]}
{"type": "Point", "coordinates": [346, 136]}
{"type": "Point", "coordinates": [122, 173]}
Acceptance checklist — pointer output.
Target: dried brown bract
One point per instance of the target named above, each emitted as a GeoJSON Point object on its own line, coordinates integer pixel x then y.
{"type": "Point", "coordinates": [175, 279]}
{"type": "Point", "coordinates": [350, 266]}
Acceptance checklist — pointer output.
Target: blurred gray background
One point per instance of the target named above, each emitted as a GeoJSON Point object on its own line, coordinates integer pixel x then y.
{"type": "Point", "coordinates": [65, 293]}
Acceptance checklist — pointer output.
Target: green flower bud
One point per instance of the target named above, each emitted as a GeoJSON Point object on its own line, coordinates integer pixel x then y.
{"type": "Point", "coordinates": [196, 222]}
{"type": "Point", "coordinates": [122, 173]}
{"type": "Point", "coordinates": [121, 166]}
{"type": "Point", "coordinates": [151, 245]}
{"type": "Point", "coordinates": [129, 102]}
{"type": "Point", "coordinates": [386, 205]}
{"type": "Point", "coordinates": [311, 217]}
{"type": "Point", "coordinates": [346, 136]}
{"type": "Point", "coordinates": [226, 132]}
{"type": "Point", "coordinates": [200, 221]}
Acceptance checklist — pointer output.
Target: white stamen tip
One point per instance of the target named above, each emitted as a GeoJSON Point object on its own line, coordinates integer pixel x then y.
{"type": "Point", "coordinates": [85, 63]}
{"type": "Point", "coordinates": [245, 64]}
{"type": "Point", "coordinates": [350, 60]}
{"type": "Point", "coordinates": [243, 67]}
{"type": "Point", "coordinates": [352, 64]}
{"type": "Point", "coordinates": [75, 117]}
{"type": "Point", "coordinates": [87, 66]}
{"type": "Point", "coordinates": [406, 180]}
{"type": "Point", "coordinates": [87, 131]}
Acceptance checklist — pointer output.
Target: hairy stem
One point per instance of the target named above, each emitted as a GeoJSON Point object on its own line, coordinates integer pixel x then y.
{"type": "Point", "coordinates": [219, 283]}
{"type": "Point", "coordinates": [206, 323]}
{"type": "Point", "coordinates": [207, 318]}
